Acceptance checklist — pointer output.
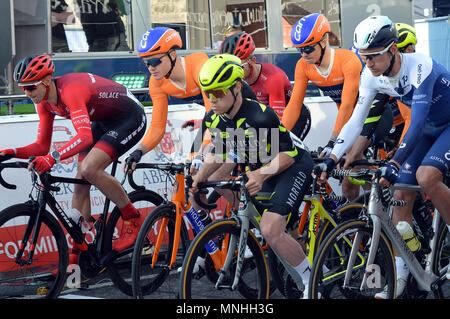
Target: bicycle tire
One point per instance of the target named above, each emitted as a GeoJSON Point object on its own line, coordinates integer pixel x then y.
{"type": "Point", "coordinates": [51, 253]}
{"type": "Point", "coordinates": [119, 267]}
{"type": "Point", "coordinates": [442, 259]}
{"type": "Point", "coordinates": [198, 285]}
{"type": "Point", "coordinates": [147, 278]}
{"type": "Point", "coordinates": [281, 279]}
{"type": "Point", "coordinates": [334, 255]}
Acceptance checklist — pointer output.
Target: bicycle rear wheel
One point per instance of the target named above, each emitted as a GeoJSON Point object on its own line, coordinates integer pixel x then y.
{"type": "Point", "coordinates": [119, 267]}
{"type": "Point", "coordinates": [151, 261]}
{"type": "Point", "coordinates": [46, 274]}
{"type": "Point", "coordinates": [442, 259]}
{"type": "Point", "coordinates": [200, 282]}
{"type": "Point", "coordinates": [330, 265]}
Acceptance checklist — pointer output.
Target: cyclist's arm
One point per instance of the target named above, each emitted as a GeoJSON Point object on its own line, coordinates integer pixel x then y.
{"type": "Point", "coordinates": [75, 99]}
{"type": "Point", "coordinates": [277, 96]}
{"type": "Point", "coordinates": [157, 128]}
{"type": "Point", "coordinates": [373, 118]}
{"type": "Point", "coordinates": [351, 70]}
{"type": "Point", "coordinates": [294, 107]}
{"type": "Point", "coordinates": [353, 127]}
{"type": "Point", "coordinates": [44, 136]}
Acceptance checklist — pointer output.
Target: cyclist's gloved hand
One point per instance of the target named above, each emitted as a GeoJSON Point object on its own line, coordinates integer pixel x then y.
{"type": "Point", "coordinates": [328, 148]}
{"type": "Point", "coordinates": [6, 154]}
{"type": "Point", "coordinates": [390, 172]}
{"type": "Point", "coordinates": [326, 166]}
{"type": "Point", "coordinates": [43, 163]}
{"type": "Point", "coordinates": [197, 161]}
{"type": "Point", "coordinates": [134, 157]}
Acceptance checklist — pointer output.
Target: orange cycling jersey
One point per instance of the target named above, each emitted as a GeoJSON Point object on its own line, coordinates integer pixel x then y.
{"type": "Point", "coordinates": [341, 83]}
{"type": "Point", "coordinates": [160, 90]}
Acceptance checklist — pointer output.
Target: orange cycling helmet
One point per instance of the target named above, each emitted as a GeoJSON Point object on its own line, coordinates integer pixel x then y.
{"type": "Point", "coordinates": [33, 68]}
{"type": "Point", "coordinates": [158, 40]}
{"type": "Point", "coordinates": [239, 44]}
{"type": "Point", "coordinates": [309, 30]}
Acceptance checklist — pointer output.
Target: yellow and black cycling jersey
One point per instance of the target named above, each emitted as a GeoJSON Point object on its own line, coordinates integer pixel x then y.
{"type": "Point", "coordinates": [253, 137]}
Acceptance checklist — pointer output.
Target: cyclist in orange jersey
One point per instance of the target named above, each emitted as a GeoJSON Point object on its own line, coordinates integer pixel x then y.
{"type": "Point", "coordinates": [171, 75]}
{"type": "Point", "coordinates": [335, 71]}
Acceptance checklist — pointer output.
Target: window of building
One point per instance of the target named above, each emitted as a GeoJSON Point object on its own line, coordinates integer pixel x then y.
{"type": "Point", "coordinates": [203, 24]}
{"type": "Point", "coordinates": [293, 10]}
{"type": "Point", "coordinates": [91, 25]}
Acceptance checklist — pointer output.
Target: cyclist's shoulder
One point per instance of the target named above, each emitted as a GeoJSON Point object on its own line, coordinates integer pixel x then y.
{"type": "Point", "coordinates": [196, 59]}
{"type": "Point", "coordinates": [273, 73]}
{"type": "Point", "coordinates": [347, 60]}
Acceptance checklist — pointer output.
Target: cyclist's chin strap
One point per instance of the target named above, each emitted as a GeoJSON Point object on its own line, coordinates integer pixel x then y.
{"type": "Point", "coordinates": [47, 90]}
{"type": "Point", "coordinates": [391, 65]}
{"type": "Point", "coordinates": [234, 101]}
{"type": "Point", "coordinates": [172, 62]}
{"type": "Point", "coordinates": [322, 53]}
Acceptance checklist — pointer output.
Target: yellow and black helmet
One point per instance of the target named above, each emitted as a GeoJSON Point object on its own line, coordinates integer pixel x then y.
{"type": "Point", "coordinates": [220, 72]}
{"type": "Point", "coordinates": [406, 35]}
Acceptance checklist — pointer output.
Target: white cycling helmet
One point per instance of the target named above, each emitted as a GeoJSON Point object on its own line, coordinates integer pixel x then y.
{"type": "Point", "coordinates": [375, 32]}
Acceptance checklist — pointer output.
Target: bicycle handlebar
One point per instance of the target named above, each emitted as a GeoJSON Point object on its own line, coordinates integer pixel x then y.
{"type": "Point", "coordinates": [167, 167]}
{"type": "Point", "coordinates": [10, 165]}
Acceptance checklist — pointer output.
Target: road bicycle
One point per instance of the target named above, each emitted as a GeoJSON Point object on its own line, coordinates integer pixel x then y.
{"type": "Point", "coordinates": [34, 258]}
{"type": "Point", "coordinates": [359, 253]}
{"type": "Point", "coordinates": [232, 237]}
{"type": "Point", "coordinates": [165, 236]}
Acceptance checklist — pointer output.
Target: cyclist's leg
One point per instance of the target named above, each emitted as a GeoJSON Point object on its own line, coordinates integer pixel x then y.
{"type": "Point", "coordinates": [288, 188]}
{"type": "Point", "coordinates": [406, 176]}
{"type": "Point", "coordinates": [431, 171]}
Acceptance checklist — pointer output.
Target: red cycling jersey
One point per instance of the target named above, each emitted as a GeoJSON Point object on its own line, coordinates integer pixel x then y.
{"type": "Point", "coordinates": [273, 88]}
{"type": "Point", "coordinates": [82, 97]}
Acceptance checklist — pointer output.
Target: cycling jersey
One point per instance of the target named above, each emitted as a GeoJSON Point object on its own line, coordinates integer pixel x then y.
{"type": "Point", "coordinates": [273, 88]}
{"type": "Point", "coordinates": [253, 138]}
{"type": "Point", "coordinates": [421, 84]}
{"type": "Point", "coordinates": [241, 140]}
{"type": "Point", "coordinates": [85, 97]}
{"type": "Point", "coordinates": [161, 89]}
{"type": "Point", "coordinates": [340, 83]}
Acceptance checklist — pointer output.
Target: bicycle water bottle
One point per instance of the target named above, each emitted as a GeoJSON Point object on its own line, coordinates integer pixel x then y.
{"type": "Point", "coordinates": [196, 222]}
{"type": "Point", "coordinates": [408, 236]}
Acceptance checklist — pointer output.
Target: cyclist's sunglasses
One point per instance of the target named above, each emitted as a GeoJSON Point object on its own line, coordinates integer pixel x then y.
{"type": "Point", "coordinates": [217, 94]}
{"type": "Point", "coordinates": [154, 62]}
{"type": "Point", "coordinates": [307, 50]}
{"type": "Point", "coordinates": [30, 87]}
{"type": "Point", "coordinates": [370, 56]}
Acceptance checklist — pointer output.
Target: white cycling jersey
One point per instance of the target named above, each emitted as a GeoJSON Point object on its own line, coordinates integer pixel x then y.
{"type": "Point", "coordinates": [422, 84]}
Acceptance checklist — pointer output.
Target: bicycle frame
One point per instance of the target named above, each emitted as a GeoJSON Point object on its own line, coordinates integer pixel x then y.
{"type": "Point", "coordinates": [44, 198]}
{"type": "Point", "coordinates": [382, 222]}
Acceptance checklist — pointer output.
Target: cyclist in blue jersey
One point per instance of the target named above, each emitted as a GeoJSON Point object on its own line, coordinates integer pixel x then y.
{"type": "Point", "coordinates": [423, 85]}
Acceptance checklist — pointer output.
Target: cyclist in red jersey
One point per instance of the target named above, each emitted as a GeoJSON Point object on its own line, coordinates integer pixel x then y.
{"type": "Point", "coordinates": [108, 120]}
{"type": "Point", "coordinates": [270, 83]}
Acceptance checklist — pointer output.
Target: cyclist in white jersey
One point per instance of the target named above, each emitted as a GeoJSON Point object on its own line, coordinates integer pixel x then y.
{"type": "Point", "coordinates": [423, 85]}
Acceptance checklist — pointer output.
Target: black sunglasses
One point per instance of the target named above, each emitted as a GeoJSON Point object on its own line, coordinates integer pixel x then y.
{"type": "Point", "coordinates": [308, 49]}
{"type": "Point", "coordinates": [154, 62]}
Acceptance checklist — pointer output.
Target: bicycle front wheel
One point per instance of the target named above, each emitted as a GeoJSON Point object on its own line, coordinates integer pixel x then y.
{"type": "Point", "coordinates": [331, 262]}
{"type": "Point", "coordinates": [119, 267]}
{"type": "Point", "coordinates": [45, 274]}
{"type": "Point", "coordinates": [151, 266]}
{"type": "Point", "coordinates": [200, 280]}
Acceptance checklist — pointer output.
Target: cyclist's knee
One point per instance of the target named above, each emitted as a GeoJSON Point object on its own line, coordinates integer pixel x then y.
{"type": "Point", "coordinates": [272, 226]}
{"type": "Point", "coordinates": [404, 195]}
{"type": "Point", "coordinates": [428, 176]}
